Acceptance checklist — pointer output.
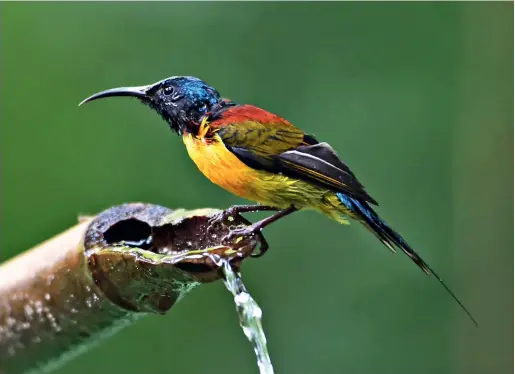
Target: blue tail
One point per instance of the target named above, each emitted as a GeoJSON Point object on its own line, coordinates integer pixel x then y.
{"type": "Point", "coordinates": [390, 238]}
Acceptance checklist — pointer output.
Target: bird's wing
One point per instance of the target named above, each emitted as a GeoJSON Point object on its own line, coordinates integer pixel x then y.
{"type": "Point", "coordinates": [257, 130]}
{"type": "Point", "coordinates": [320, 163]}
{"type": "Point", "coordinates": [268, 142]}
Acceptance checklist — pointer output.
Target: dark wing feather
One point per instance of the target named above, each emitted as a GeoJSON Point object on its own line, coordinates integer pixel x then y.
{"type": "Point", "coordinates": [253, 160]}
{"type": "Point", "coordinates": [316, 163]}
{"type": "Point", "coordinates": [310, 139]}
{"type": "Point", "coordinates": [320, 163]}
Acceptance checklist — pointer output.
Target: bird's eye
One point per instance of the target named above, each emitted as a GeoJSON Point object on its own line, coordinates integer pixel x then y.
{"type": "Point", "coordinates": [168, 90]}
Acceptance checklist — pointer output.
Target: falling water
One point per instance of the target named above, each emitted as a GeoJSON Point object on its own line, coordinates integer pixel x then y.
{"type": "Point", "coordinates": [248, 310]}
{"type": "Point", "coordinates": [249, 314]}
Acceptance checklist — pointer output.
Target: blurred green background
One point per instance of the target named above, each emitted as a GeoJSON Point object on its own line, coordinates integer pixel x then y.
{"type": "Point", "coordinates": [416, 97]}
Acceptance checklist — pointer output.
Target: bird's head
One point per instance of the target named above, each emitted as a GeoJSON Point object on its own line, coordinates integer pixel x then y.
{"type": "Point", "coordinates": [181, 101]}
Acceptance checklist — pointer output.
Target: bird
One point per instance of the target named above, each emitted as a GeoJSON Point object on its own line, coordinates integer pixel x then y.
{"type": "Point", "coordinates": [262, 157]}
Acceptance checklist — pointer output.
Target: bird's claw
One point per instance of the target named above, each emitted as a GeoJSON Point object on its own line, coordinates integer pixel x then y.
{"type": "Point", "coordinates": [249, 231]}
{"type": "Point", "coordinates": [219, 218]}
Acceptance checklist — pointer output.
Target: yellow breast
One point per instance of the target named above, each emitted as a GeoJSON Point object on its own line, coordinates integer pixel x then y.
{"type": "Point", "coordinates": [221, 166]}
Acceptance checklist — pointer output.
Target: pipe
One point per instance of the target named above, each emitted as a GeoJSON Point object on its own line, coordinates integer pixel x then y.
{"type": "Point", "coordinates": [78, 288]}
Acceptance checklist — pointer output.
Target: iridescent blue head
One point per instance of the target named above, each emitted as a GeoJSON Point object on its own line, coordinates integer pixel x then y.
{"type": "Point", "coordinates": [181, 101]}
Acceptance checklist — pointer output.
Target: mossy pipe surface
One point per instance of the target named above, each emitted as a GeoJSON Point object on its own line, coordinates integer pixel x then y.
{"type": "Point", "coordinates": [83, 285]}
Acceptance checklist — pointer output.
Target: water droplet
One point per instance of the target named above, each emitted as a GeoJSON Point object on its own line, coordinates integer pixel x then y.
{"type": "Point", "coordinates": [28, 311]}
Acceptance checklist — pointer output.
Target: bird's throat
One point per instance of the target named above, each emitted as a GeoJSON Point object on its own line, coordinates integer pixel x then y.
{"type": "Point", "coordinates": [201, 131]}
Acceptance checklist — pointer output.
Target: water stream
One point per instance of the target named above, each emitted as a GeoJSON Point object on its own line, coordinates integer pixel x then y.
{"type": "Point", "coordinates": [249, 314]}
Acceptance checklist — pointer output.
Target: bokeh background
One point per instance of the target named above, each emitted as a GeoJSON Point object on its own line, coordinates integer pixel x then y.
{"type": "Point", "coordinates": [416, 97]}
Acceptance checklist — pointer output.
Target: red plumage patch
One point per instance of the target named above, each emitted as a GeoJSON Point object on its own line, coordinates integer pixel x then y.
{"type": "Point", "coordinates": [245, 113]}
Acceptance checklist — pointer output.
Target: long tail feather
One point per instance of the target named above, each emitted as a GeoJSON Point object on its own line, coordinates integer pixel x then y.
{"type": "Point", "coordinates": [392, 239]}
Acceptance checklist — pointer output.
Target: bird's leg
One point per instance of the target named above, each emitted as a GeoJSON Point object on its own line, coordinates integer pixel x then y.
{"type": "Point", "coordinates": [237, 209]}
{"type": "Point", "coordinates": [256, 228]}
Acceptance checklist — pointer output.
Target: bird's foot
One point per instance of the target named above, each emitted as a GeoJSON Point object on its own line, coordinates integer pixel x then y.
{"type": "Point", "coordinates": [255, 229]}
{"type": "Point", "coordinates": [247, 232]}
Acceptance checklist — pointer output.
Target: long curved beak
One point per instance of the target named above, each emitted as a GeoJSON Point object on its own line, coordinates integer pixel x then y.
{"type": "Point", "coordinates": [139, 92]}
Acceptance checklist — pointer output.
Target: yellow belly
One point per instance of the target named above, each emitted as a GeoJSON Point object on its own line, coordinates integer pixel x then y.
{"type": "Point", "coordinates": [220, 166]}
{"type": "Point", "coordinates": [223, 168]}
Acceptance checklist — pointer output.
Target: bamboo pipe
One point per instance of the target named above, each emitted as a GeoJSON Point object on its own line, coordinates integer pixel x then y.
{"type": "Point", "coordinates": [76, 289]}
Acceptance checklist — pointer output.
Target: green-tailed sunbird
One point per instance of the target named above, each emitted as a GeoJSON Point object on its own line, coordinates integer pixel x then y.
{"type": "Point", "coordinates": [262, 157]}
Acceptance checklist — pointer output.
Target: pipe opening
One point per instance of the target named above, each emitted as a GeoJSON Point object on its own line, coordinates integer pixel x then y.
{"type": "Point", "coordinates": [130, 232]}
